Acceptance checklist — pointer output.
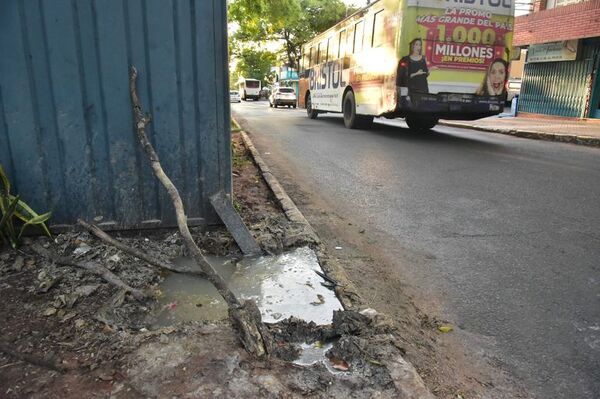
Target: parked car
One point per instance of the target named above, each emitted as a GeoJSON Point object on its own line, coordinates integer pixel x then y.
{"type": "Point", "coordinates": [513, 89]}
{"type": "Point", "coordinates": [234, 96]}
{"type": "Point", "coordinates": [283, 96]}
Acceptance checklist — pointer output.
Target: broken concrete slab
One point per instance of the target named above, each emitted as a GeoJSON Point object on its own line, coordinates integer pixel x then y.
{"type": "Point", "coordinates": [222, 204]}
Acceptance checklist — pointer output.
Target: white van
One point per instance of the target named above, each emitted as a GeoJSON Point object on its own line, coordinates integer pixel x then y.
{"type": "Point", "coordinates": [249, 88]}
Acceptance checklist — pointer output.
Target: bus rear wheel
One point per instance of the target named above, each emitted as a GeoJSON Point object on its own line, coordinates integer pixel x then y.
{"type": "Point", "coordinates": [421, 123]}
{"type": "Point", "coordinates": [312, 114]}
{"type": "Point", "coordinates": [351, 119]}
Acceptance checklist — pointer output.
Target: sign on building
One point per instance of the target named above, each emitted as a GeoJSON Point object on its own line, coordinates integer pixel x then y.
{"type": "Point", "coordinates": [556, 51]}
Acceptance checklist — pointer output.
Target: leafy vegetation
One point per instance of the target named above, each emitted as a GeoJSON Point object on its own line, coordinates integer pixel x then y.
{"type": "Point", "coordinates": [14, 211]}
{"type": "Point", "coordinates": [291, 22]}
{"type": "Point", "coordinates": [252, 63]}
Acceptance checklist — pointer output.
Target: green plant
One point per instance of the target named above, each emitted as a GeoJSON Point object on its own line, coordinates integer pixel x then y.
{"type": "Point", "coordinates": [234, 126]}
{"type": "Point", "coordinates": [238, 159]}
{"type": "Point", "coordinates": [13, 210]}
{"type": "Point", "coordinates": [237, 205]}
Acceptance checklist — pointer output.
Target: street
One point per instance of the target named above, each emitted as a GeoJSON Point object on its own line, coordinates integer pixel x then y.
{"type": "Point", "coordinates": [497, 234]}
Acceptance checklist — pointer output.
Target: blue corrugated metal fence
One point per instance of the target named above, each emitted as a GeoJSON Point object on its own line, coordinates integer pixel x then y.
{"type": "Point", "coordinates": [66, 134]}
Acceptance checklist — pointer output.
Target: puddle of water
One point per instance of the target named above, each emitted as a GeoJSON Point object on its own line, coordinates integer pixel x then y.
{"type": "Point", "coordinates": [282, 286]}
{"type": "Point", "coordinates": [316, 353]}
{"type": "Point", "coordinates": [188, 298]}
{"type": "Point", "coordinates": [312, 354]}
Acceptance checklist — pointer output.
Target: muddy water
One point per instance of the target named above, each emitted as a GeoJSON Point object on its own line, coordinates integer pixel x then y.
{"type": "Point", "coordinates": [316, 353]}
{"type": "Point", "coordinates": [282, 286]}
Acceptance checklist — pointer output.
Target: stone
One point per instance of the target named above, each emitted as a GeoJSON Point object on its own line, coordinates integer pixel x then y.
{"type": "Point", "coordinates": [50, 312]}
{"type": "Point", "coordinates": [18, 264]}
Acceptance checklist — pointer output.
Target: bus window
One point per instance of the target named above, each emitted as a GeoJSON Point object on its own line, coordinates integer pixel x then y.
{"type": "Point", "coordinates": [342, 44]}
{"type": "Point", "coordinates": [328, 53]}
{"type": "Point", "coordinates": [303, 61]}
{"type": "Point", "coordinates": [311, 57]}
{"type": "Point", "coordinates": [367, 32]}
{"type": "Point", "coordinates": [378, 31]}
{"type": "Point", "coordinates": [323, 52]}
{"type": "Point", "coordinates": [318, 54]}
{"type": "Point", "coordinates": [350, 41]}
{"type": "Point", "coordinates": [333, 48]}
{"type": "Point", "coordinates": [359, 29]}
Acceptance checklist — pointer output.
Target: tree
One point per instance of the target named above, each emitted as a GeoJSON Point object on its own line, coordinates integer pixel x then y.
{"type": "Point", "coordinates": [293, 22]}
{"type": "Point", "coordinates": [252, 63]}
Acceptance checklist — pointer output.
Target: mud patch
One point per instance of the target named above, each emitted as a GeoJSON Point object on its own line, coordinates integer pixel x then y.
{"type": "Point", "coordinates": [195, 366]}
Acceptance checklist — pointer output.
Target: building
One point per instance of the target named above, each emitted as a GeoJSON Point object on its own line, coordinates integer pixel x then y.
{"type": "Point", "coordinates": [561, 70]}
{"type": "Point", "coordinates": [286, 77]}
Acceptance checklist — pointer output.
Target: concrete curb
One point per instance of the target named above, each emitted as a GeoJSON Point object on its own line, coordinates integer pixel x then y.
{"type": "Point", "coordinates": [590, 141]}
{"type": "Point", "coordinates": [406, 379]}
{"type": "Point", "coordinates": [289, 207]}
{"type": "Point", "coordinates": [345, 291]}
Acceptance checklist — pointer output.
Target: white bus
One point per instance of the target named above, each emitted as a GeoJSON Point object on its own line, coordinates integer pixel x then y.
{"type": "Point", "coordinates": [249, 88]}
{"type": "Point", "coordinates": [421, 60]}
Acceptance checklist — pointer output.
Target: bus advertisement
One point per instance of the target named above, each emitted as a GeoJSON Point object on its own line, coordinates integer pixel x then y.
{"type": "Point", "coordinates": [421, 60]}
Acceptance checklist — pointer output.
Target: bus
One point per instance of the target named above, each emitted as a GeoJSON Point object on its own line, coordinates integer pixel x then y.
{"type": "Point", "coordinates": [420, 60]}
{"type": "Point", "coordinates": [249, 88]}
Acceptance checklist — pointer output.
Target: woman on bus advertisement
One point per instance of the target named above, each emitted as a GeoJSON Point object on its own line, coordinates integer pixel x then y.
{"type": "Point", "coordinates": [460, 41]}
{"type": "Point", "coordinates": [412, 69]}
{"type": "Point", "coordinates": [494, 83]}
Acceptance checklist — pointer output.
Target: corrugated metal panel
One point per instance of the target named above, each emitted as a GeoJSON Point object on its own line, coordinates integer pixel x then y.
{"type": "Point", "coordinates": [559, 88]}
{"type": "Point", "coordinates": [66, 136]}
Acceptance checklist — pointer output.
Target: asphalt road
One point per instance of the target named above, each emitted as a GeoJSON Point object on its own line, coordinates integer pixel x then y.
{"type": "Point", "coordinates": [510, 226]}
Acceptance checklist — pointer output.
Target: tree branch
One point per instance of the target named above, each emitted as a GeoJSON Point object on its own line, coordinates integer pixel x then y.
{"type": "Point", "coordinates": [246, 317]}
{"type": "Point", "coordinates": [91, 267]}
{"type": "Point", "coordinates": [32, 359]}
{"type": "Point", "coordinates": [100, 234]}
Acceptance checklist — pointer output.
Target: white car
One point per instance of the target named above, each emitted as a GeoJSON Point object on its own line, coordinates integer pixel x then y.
{"type": "Point", "coordinates": [283, 96]}
{"type": "Point", "coordinates": [234, 96]}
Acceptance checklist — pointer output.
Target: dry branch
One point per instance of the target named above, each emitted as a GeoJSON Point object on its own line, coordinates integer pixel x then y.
{"type": "Point", "coordinates": [91, 267]}
{"type": "Point", "coordinates": [102, 235]}
{"type": "Point", "coordinates": [246, 317]}
{"type": "Point", "coordinates": [32, 359]}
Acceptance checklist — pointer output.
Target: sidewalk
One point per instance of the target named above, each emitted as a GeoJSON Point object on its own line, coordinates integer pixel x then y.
{"type": "Point", "coordinates": [583, 132]}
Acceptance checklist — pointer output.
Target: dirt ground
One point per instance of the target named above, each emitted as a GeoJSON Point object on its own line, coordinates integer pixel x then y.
{"type": "Point", "coordinates": [73, 335]}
